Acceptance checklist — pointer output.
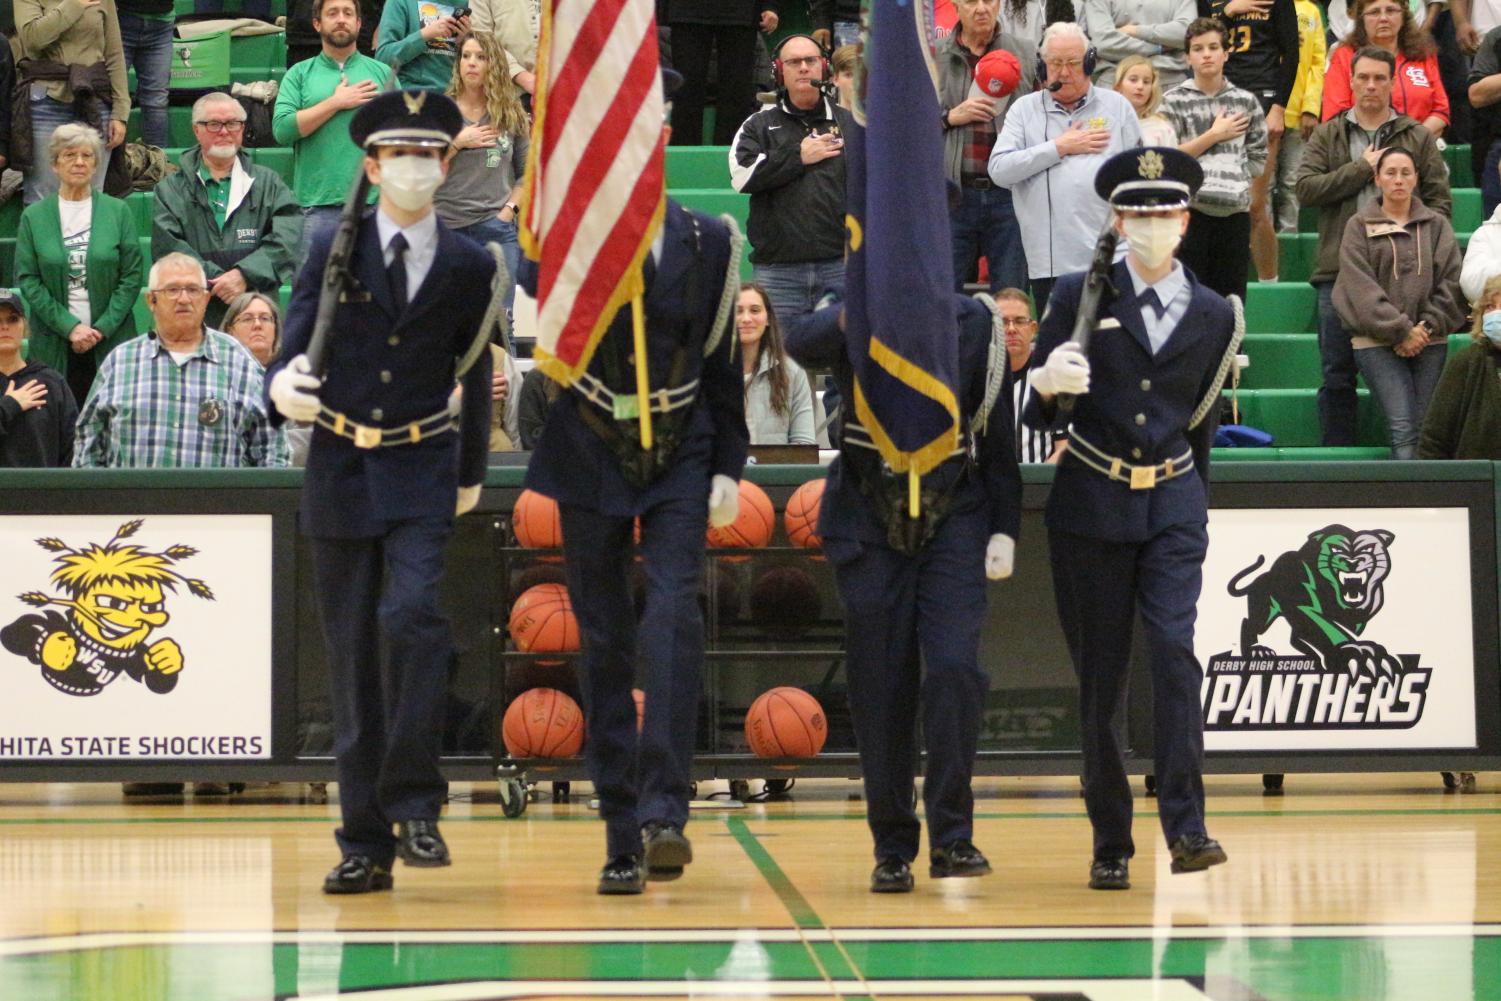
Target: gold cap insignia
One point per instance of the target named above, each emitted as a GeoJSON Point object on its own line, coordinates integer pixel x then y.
{"type": "Point", "coordinates": [414, 101]}
{"type": "Point", "coordinates": [1149, 165]}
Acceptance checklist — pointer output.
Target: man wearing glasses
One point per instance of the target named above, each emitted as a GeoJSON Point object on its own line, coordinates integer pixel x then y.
{"type": "Point", "coordinates": [239, 219]}
{"type": "Point", "coordinates": [182, 395]}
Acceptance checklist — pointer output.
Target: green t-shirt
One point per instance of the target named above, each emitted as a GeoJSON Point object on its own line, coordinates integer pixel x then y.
{"type": "Point", "coordinates": [324, 163]}
{"type": "Point", "coordinates": [218, 193]}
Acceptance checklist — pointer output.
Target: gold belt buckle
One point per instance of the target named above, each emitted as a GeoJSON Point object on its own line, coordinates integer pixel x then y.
{"type": "Point", "coordinates": [1143, 477]}
{"type": "Point", "coordinates": [366, 437]}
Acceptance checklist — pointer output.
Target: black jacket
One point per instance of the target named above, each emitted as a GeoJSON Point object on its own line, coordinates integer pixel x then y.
{"type": "Point", "coordinates": [823, 13]}
{"type": "Point", "coordinates": [7, 88]}
{"type": "Point", "coordinates": [736, 12]}
{"type": "Point", "coordinates": [796, 211]}
{"type": "Point", "coordinates": [42, 436]}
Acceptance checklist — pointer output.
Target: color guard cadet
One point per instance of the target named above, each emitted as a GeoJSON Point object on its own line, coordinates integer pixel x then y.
{"type": "Point", "coordinates": [914, 597]}
{"type": "Point", "coordinates": [1129, 505]}
{"type": "Point", "coordinates": [395, 454]}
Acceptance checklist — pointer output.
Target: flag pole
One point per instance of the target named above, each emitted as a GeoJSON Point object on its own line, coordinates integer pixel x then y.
{"type": "Point", "coordinates": [643, 370]}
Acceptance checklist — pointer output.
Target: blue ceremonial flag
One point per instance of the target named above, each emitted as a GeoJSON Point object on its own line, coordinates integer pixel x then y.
{"type": "Point", "coordinates": [899, 277]}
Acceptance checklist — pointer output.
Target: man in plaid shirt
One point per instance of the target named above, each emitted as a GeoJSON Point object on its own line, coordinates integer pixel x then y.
{"type": "Point", "coordinates": [183, 395]}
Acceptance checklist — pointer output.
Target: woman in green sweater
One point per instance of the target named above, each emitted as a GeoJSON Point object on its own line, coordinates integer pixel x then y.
{"type": "Point", "coordinates": [1464, 419]}
{"type": "Point", "coordinates": [78, 264]}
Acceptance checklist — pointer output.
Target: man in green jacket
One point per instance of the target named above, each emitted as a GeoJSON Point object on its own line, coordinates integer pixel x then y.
{"type": "Point", "coordinates": [239, 219]}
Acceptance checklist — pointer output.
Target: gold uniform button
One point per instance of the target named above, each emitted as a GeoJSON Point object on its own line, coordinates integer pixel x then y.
{"type": "Point", "coordinates": [1146, 385]}
{"type": "Point", "coordinates": [393, 340]}
{"type": "Point", "coordinates": [377, 414]}
{"type": "Point", "coordinates": [385, 377]}
{"type": "Point", "coordinates": [1136, 453]}
{"type": "Point", "coordinates": [1141, 419]}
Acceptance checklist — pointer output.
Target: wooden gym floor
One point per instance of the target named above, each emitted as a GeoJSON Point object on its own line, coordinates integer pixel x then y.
{"type": "Point", "coordinates": [1348, 887]}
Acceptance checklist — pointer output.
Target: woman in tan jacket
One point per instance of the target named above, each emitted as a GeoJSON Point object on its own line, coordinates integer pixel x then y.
{"type": "Point", "coordinates": [1398, 294]}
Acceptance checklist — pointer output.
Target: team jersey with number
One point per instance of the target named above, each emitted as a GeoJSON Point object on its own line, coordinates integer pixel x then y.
{"type": "Point", "coordinates": [1263, 48]}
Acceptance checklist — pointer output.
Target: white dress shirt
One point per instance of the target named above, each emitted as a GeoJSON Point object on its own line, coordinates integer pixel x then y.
{"type": "Point", "coordinates": [1172, 292]}
{"type": "Point", "coordinates": [422, 247]}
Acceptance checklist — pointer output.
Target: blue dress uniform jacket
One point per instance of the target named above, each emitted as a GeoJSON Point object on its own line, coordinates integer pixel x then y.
{"type": "Point", "coordinates": [573, 465]}
{"type": "Point", "coordinates": [1137, 409]}
{"type": "Point", "coordinates": [388, 370]}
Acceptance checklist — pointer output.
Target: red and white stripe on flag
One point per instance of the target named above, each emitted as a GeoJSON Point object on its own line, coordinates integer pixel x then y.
{"type": "Point", "coordinates": [594, 195]}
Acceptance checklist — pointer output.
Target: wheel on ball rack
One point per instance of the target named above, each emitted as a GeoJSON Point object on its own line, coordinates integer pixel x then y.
{"type": "Point", "coordinates": [739, 789]}
{"type": "Point", "coordinates": [513, 796]}
{"type": "Point", "coordinates": [560, 791]}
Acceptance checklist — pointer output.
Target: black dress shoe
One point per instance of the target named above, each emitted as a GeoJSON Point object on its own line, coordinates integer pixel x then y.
{"type": "Point", "coordinates": [891, 875]}
{"type": "Point", "coordinates": [622, 876]}
{"type": "Point", "coordinates": [1194, 852]}
{"type": "Point", "coordinates": [357, 874]}
{"type": "Point", "coordinates": [667, 851]}
{"type": "Point", "coordinates": [1109, 874]}
{"type": "Point", "coordinates": [419, 844]}
{"type": "Point", "coordinates": [957, 858]}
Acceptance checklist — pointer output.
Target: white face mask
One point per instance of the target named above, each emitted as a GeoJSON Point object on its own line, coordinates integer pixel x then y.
{"type": "Point", "coordinates": [410, 181]}
{"type": "Point", "coordinates": [1153, 238]}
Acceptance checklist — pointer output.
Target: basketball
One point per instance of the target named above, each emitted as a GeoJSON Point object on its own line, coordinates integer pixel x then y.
{"type": "Point", "coordinates": [786, 723]}
{"type": "Point", "coordinates": [535, 521]}
{"type": "Point", "coordinates": [784, 602]}
{"type": "Point", "coordinates": [542, 620]}
{"type": "Point", "coordinates": [753, 524]}
{"type": "Point", "coordinates": [542, 723]}
{"type": "Point", "coordinates": [640, 698]}
{"type": "Point", "coordinates": [801, 516]}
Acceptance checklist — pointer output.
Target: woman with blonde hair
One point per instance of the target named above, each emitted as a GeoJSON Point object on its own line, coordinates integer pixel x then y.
{"type": "Point", "coordinates": [1136, 81]}
{"type": "Point", "coordinates": [488, 158]}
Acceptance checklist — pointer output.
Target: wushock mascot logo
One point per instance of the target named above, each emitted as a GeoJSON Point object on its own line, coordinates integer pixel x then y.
{"type": "Point", "coordinates": [1327, 592]}
{"type": "Point", "coordinates": [115, 598]}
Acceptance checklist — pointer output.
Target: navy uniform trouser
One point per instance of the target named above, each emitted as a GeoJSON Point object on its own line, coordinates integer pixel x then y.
{"type": "Point", "coordinates": [1100, 585]}
{"type": "Point", "coordinates": [649, 778]}
{"type": "Point", "coordinates": [912, 647]}
{"type": "Point", "coordinates": [374, 593]}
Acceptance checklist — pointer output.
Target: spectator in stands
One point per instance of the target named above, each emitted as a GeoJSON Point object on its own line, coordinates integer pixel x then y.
{"type": "Point", "coordinates": [37, 410]}
{"type": "Point", "coordinates": [983, 221]}
{"type": "Point", "coordinates": [1051, 146]}
{"type": "Point", "coordinates": [778, 396]}
{"type": "Point", "coordinates": [1482, 258]}
{"type": "Point", "coordinates": [789, 157]}
{"type": "Point", "coordinates": [479, 197]}
{"type": "Point", "coordinates": [254, 321]}
{"type": "Point", "coordinates": [1025, 20]}
{"type": "Point", "coordinates": [1302, 116]}
{"type": "Point", "coordinates": [537, 395]}
{"type": "Point", "coordinates": [1015, 308]}
{"type": "Point", "coordinates": [78, 264]}
{"type": "Point", "coordinates": [1485, 98]}
{"type": "Point", "coordinates": [418, 37]}
{"type": "Point", "coordinates": [514, 26]}
{"type": "Point", "coordinates": [505, 406]}
{"type": "Point", "coordinates": [835, 22]}
{"type": "Point", "coordinates": [1155, 29]}
{"type": "Point", "coordinates": [845, 61]}
{"type": "Point", "coordinates": [1464, 417]}
{"type": "Point", "coordinates": [7, 88]}
{"type": "Point", "coordinates": [1136, 80]}
{"type": "Point", "coordinates": [1398, 294]}
{"type": "Point", "coordinates": [146, 32]}
{"type": "Point", "coordinates": [316, 101]}
{"type": "Point", "coordinates": [1418, 92]}
{"type": "Point", "coordinates": [1224, 127]}
{"type": "Point", "coordinates": [183, 395]}
{"type": "Point", "coordinates": [238, 218]}
{"type": "Point", "coordinates": [1337, 175]}
{"type": "Point", "coordinates": [727, 30]}
{"type": "Point", "coordinates": [65, 43]}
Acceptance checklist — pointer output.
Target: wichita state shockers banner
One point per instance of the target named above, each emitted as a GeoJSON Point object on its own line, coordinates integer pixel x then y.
{"type": "Point", "coordinates": [135, 638]}
{"type": "Point", "coordinates": [1337, 629]}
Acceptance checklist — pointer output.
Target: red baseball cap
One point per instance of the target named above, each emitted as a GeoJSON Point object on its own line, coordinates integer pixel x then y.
{"type": "Point", "coordinates": [997, 73]}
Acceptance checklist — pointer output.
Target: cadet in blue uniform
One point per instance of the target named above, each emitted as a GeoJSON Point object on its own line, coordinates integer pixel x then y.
{"type": "Point", "coordinates": [914, 598]}
{"type": "Point", "coordinates": [393, 459]}
{"type": "Point", "coordinates": [1129, 505]}
{"type": "Point", "coordinates": [592, 463]}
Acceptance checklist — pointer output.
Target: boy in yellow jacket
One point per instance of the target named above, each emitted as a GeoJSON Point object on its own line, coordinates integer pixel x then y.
{"type": "Point", "coordinates": [1303, 108]}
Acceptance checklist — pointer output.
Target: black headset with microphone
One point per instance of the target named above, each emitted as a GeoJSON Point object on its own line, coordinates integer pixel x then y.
{"type": "Point", "coordinates": [1091, 61]}
{"type": "Point", "coordinates": [776, 61]}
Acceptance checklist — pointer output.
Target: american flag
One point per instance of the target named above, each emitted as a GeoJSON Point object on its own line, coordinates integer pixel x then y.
{"type": "Point", "coordinates": [594, 194]}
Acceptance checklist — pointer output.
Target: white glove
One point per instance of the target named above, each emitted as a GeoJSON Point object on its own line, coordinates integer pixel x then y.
{"type": "Point", "coordinates": [468, 498]}
{"type": "Point", "coordinates": [1000, 556]}
{"type": "Point", "coordinates": [294, 390]}
{"type": "Point", "coordinates": [724, 500]}
{"type": "Point", "coordinates": [1065, 371]}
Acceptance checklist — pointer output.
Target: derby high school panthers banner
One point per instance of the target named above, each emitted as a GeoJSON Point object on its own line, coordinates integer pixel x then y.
{"type": "Point", "coordinates": [1337, 629]}
{"type": "Point", "coordinates": [135, 638]}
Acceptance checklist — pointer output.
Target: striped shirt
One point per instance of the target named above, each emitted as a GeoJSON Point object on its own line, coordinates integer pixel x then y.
{"type": "Point", "coordinates": [146, 410]}
{"type": "Point", "coordinates": [1031, 445]}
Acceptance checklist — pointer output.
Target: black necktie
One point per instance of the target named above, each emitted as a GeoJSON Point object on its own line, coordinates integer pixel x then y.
{"type": "Point", "coordinates": [396, 272]}
{"type": "Point", "coordinates": [1149, 298]}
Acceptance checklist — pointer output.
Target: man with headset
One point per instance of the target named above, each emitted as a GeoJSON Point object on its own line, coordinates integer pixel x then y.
{"type": "Point", "coordinates": [789, 158]}
{"type": "Point", "coordinates": [1051, 147]}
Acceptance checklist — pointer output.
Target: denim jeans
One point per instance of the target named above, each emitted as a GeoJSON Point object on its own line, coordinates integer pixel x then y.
{"type": "Point", "coordinates": [1337, 360]}
{"type": "Point", "coordinates": [148, 47]}
{"type": "Point", "coordinates": [985, 223]}
{"type": "Point", "coordinates": [1403, 387]}
{"type": "Point", "coordinates": [796, 289]}
{"type": "Point", "coordinates": [46, 116]}
{"type": "Point", "coordinates": [499, 231]}
{"type": "Point", "coordinates": [315, 219]}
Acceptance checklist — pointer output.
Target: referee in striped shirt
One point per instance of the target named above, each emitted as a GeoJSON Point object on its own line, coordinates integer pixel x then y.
{"type": "Point", "coordinates": [1021, 330]}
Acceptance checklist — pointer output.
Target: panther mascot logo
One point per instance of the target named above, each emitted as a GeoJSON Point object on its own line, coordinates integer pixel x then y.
{"type": "Point", "coordinates": [115, 599]}
{"type": "Point", "coordinates": [1328, 591]}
